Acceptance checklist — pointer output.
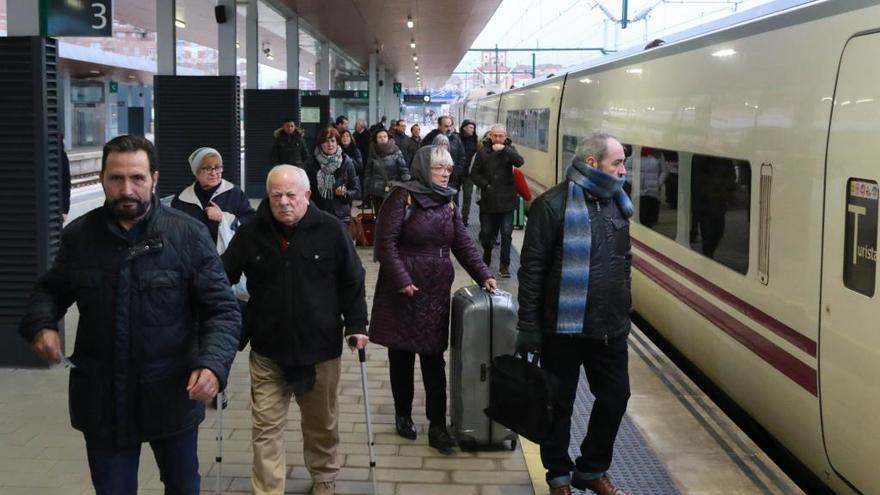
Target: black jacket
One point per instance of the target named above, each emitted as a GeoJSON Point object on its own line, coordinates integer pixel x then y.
{"type": "Point", "coordinates": [363, 142]}
{"type": "Point", "coordinates": [231, 200]}
{"type": "Point", "coordinates": [289, 149]}
{"type": "Point", "coordinates": [356, 158]}
{"type": "Point", "coordinates": [402, 141]}
{"type": "Point", "coordinates": [456, 149]}
{"type": "Point", "coordinates": [493, 174]}
{"type": "Point", "coordinates": [381, 171]}
{"type": "Point", "coordinates": [470, 148]}
{"type": "Point", "coordinates": [609, 300]}
{"type": "Point", "coordinates": [302, 296]}
{"type": "Point", "coordinates": [137, 340]}
{"type": "Point", "coordinates": [345, 175]}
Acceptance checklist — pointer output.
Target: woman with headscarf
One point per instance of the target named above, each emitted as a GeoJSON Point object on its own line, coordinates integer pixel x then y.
{"type": "Point", "coordinates": [211, 198]}
{"type": "Point", "coordinates": [417, 229]}
{"type": "Point", "coordinates": [332, 176]}
{"type": "Point", "coordinates": [385, 165]}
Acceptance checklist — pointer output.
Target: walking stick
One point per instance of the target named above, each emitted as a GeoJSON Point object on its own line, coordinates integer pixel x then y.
{"type": "Point", "coordinates": [219, 459]}
{"type": "Point", "coordinates": [362, 357]}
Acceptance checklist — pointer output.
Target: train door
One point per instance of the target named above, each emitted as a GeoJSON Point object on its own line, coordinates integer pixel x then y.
{"type": "Point", "coordinates": [849, 348]}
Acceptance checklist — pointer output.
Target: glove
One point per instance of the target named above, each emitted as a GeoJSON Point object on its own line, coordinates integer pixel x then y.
{"type": "Point", "coordinates": [528, 342]}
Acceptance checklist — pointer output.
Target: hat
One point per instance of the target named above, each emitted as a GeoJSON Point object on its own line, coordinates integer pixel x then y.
{"type": "Point", "coordinates": [195, 159]}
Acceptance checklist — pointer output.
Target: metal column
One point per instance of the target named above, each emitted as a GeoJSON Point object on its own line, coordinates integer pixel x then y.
{"type": "Point", "coordinates": [226, 36]}
{"type": "Point", "coordinates": [323, 70]}
{"type": "Point", "coordinates": [380, 90]}
{"type": "Point", "coordinates": [292, 39]}
{"type": "Point", "coordinates": [252, 45]}
{"type": "Point", "coordinates": [374, 90]}
{"type": "Point", "coordinates": [166, 37]}
{"type": "Point", "coordinates": [22, 18]}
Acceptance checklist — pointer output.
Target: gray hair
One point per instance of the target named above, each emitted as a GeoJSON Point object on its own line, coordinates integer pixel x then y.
{"type": "Point", "coordinates": [439, 156]}
{"type": "Point", "coordinates": [440, 140]}
{"type": "Point", "coordinates": [595, 145]}
{"type": "Point", "coordinates": [298, 173]}
{"type": "Point", "coordinates": [498, 126]}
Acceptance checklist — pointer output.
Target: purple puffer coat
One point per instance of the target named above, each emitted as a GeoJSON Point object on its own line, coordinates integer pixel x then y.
{"type": "Point", "coordinates": [415, 250]}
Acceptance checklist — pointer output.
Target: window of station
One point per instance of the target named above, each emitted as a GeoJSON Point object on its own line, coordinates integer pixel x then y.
{"type": "Point", "coordinates": [658, 190]}
{"type": "Point", "coordinates": [720, 192]}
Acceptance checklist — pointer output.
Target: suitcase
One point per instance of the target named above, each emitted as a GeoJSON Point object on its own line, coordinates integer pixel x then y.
{"type": "Point", "coordinates": [483, 326]}
{"type": "Point", "coordinates": [368, 224]}
{"type": "Point", "coordinates": [519, 215]}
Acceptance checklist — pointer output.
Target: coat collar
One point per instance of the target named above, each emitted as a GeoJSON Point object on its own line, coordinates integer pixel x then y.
{"type": "Point", "coordinates": [188, 195]}
{"type": "Point", "coordinates": [264, 214]}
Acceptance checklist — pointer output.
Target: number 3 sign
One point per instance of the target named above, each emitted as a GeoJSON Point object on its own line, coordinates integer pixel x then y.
{"type": "Point", "coordinates": [77, 17]}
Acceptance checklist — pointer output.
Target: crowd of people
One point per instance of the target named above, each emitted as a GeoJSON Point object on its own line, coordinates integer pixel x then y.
{"type": "Point", "coordinates": [159, 326]}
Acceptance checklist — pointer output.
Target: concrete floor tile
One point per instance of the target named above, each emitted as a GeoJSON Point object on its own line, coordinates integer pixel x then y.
{"type": "Point", "coordinates": [445, 489]}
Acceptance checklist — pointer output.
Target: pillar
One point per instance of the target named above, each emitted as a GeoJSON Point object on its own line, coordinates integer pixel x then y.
{"type": "Point", "coordinates": [373, 89]}
{"type": "Point", "coordinates": [22, 18]}
{"type": "Point", "coordinates": [292, 40]}
{"type": "Point", "coordinates": [226, 36]}
{"type": "Point", "coordinates": [252, 37]}
{"type": "Point", "coordinates": [166, 38]}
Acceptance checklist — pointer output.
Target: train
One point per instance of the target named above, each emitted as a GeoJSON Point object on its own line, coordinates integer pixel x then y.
{"type": "Point", "coordinates": [756, 257]}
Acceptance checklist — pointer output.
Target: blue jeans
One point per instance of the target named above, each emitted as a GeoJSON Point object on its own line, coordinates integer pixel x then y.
{"type": "Point", "coordinates": [114, 471]}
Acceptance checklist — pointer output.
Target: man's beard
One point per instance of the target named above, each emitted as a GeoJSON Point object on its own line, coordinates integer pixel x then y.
{"type": "Point", "coordinates": [127, 214]}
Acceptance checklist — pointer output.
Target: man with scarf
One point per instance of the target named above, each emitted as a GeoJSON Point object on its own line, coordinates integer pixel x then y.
{"type": "Point", "coordinates": [306, 286]}
{"type": "Point", "coordinates": [574, 305]}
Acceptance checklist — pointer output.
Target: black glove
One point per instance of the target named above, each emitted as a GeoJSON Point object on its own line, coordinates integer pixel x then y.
{"type": "Point", "coordinates": [528, 342]}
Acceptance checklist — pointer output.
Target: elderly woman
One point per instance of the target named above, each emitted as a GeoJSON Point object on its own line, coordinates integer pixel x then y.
{"type": "Point", "coordinates": [211, 198]}
{"type": "Point", "coordinates": [385, 165]}
{"type": "Point", "coordinates": [417, 229]}
{"type": "Point", "coordinates": [333, 176]}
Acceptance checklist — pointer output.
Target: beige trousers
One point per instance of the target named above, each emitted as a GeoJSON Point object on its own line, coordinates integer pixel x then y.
{"type": "Point", "coordinates": [270, 396]}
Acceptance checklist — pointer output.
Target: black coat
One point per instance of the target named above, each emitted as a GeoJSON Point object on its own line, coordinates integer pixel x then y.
{"type": "Point", "coordinates": [608, 300]}
{"type": "Point", "coordinates": [345, 175]}
{"type": "Point", "coordinates": [231, 200]}
{"type": "Point", "coordinates": [456, 149]}
{"type": "Point", "coordinates": [356, 158]}
{"type": "Point", "coordinates": [402, 141]}
{"type": "Point", "coordinates": [363, 142]}
{"type": "Point", "coordinates": [137, 340]}
{"type": "Point", "coordinates": [301, 298]}
{"type": "Point", "coordinates": [493, 174]}
{"type": "Point", "coordinates": [470, 148]}
{"type": "Point", "coordinates": [381, 171]}
{"type": "Point", "coordinates": [289, 149]}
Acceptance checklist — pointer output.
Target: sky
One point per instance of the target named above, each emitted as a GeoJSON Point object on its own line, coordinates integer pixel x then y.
{"type": "Point", "coordinates": [583, 23]}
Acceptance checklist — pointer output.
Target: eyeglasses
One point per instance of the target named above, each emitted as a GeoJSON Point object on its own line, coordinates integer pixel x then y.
{"type": "Point", "coordinates": [211, 170]}
{"type": "Point", "coordinates": [440, 169]}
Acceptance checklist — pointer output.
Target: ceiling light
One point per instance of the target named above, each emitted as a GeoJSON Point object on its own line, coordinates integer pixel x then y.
{"type": "Point", "coordinates": [412, 43]}
{"type": "Point", "coordinates": [311, 72]}
{"type": "Point", "coordinates": [269, 56]}
{"type": "Point", "coordinates": [586, 80]}
{"type": "Point", "coordinates": [131, 76]}
{"type": "Point", "coordinates": [237, 44]}
{"type": "Point", "coordinates": [417, 66]}
{"type": "Point", "coordinates": [634, 70]}
{"type": "Point", "coordinates": [93, 71]}
{"type": "Point", "coordinates": [415, 57]}
{"type": "Point", "coordinates": [179, 23]}
{"type": "Point", "coordinates": [727, 52]}
{"type": "Point", "coordinates": [409, 22]}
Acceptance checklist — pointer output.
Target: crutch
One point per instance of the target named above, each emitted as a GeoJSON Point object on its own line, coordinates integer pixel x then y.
{"type": "Point", "coordinates": [362, 357]}
{"type": "Point", "coordinates": [221, 397]}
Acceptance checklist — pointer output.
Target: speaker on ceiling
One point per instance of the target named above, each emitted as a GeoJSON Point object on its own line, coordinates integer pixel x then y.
{"type": "Point", "coordinates": [220, 14]}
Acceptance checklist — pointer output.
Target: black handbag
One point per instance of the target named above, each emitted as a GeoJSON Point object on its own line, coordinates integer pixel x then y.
{"type": "Point", "coordinates": [523, 397]}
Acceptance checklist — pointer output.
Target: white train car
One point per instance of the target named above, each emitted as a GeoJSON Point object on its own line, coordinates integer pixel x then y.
{"type": "Point", "coordinates": [756, 255]}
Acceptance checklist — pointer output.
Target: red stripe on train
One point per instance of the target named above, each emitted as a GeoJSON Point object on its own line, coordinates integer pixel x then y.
{"type": "Point", "coordinates": [796, 338]}
{"type": "Point", "coordinates": [787, 364]}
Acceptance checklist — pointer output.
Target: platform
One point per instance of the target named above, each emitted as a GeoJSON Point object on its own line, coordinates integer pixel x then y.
{"type": "Point", "coordinates": [673, 440]}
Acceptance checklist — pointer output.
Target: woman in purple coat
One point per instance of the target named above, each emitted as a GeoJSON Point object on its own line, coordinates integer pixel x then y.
{"type": "Point", "coordinates": [417, 228]}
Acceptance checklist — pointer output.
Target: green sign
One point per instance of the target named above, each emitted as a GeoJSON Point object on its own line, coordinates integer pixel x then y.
{"type": "Point", "coordinates": [114, 87]}
{"type": "Point", "coordinates": [309, 92]}
{"type": "Point", "coordinates": [76, 17]}
{"type": "Point", "coordinates": [398, 88]}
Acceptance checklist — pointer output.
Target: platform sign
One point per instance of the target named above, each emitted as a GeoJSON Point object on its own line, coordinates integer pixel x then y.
{"type": "Point", "coordinates": [398, 88]}
{"type": "Point", "coordinates": [860, 236]}
{"type": "Point", "coordinates": [114, 86]}
{"type": "Point", "coordinates": [76, 17]}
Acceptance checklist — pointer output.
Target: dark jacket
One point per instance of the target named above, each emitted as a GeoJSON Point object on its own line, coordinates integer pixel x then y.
{"type": "Point", "coordinates": [456, 149]}
{"type": "Point", "coordinates": [346, 175]}
{"type": "Point", "coordinates": [402, 141]}
{"type": "Point", "coordinates": [356, 158]}
{"type": "Point", "coordinates": [493, 174]}
{"type": "Point", "coordinates": [300, 297]}
{"type": "Point", "coordinates": [289, 148]}
{"type": "Point", "coordinates": [231, 200]}
{"type": "Point", "coordinates": [470, 148]}
{"type": "Point", "coordinates": [412, 146]}
{"type": "Point", "coordinates": [363, 142]}
{"type": "Point", "coordinates": [608, 300]}
{"type": "Point", "coordinates": [382, 170]}
{"type": "Point", "coordinates": [65, 181]}
{"type": "Point", "coordinates": [414, 249]}
{"type": "Point", "coordinates": [137, 341]}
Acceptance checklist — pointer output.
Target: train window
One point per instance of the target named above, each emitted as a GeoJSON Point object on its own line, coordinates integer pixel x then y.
{"type": "Point", "coordinates": [529, 127]}
{"type": "Point", "coordinates": [658, 190]}
{"type": "Point", "coordinates": [860, 236]}
{"type": "Point", "coordinates": [720, 205]}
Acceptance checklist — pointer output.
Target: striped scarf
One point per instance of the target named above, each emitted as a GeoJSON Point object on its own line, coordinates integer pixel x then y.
{"type": "Point", "coordinates": [577, 240]}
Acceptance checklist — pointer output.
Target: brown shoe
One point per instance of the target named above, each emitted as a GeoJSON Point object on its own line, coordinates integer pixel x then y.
{"type": "Point", "coordinates": [561, 490]}
{"type": "Point", "coordinates": [601, 486]}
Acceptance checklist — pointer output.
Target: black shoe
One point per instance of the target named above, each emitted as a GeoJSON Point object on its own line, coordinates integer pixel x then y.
{"type": "Point", "coordinates": [487, 256]}
{"type": "Point", "coordinates": [440, 439]}
{"type": "Point", "coordinates": [405, 427]}
{"type": "Point", "coordinates": [504, 271]}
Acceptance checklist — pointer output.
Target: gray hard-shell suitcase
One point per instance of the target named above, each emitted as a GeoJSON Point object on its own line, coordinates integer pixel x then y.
{"type": "Point", "coordinates": [483, 326]}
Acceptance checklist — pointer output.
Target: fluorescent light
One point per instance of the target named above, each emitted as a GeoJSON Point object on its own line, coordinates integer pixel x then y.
{"type": "Point", "coordinates": [237, 44]}
{"type": "Point", "coordinates": [131, 76]}
{"type": "Point", "coordinates": [415, 58]}
{"type": "Point", "coordinates": [727, 52]}
{"type": "Point", "coordinates": [586, 80]}
{"type": "Point", "coordinates": [409, 22]}
{"type": "Point", "coordinates": [93, 71]}
{"type": "Point", "coordinates": [180, 23]}
{"type": "Point", "coordinates": [311, 72]}
{"type": "Point", "coordinates": [412, 43]}
{"type": "Point", "coordinates": [269, 56]}
{"type": "Point", "coordinates": [634, 70]}
{"type": "Point", "coordinates": [865, 100]}
{"type": "Point", "coordinates": [417, 66]}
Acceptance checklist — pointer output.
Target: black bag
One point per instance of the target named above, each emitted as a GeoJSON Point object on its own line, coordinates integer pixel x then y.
{"type": "Point", "coordinates": [523, 397]}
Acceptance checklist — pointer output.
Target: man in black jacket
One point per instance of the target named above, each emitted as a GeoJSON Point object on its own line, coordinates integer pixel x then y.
{"type": "Point", "coordinates": [493, 174]}
{"type": "Point", "coordinates": [581, 228]}
{"type": "Point", "coordinates": [306, 286]}
{"type": "Point", "coordinates": [289, 146]}
{"type": "Point", "coordinates": [141, 275]}
{"type": "Point", "coordinates": [468, 135]}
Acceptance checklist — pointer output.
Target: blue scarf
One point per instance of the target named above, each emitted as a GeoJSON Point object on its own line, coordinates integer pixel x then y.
{"type": "Point", "coordinates": [577, 240]}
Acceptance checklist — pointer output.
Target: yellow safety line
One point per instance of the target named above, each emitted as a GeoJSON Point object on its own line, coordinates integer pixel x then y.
{"type": "Point", "coordinates": [532, 454]}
